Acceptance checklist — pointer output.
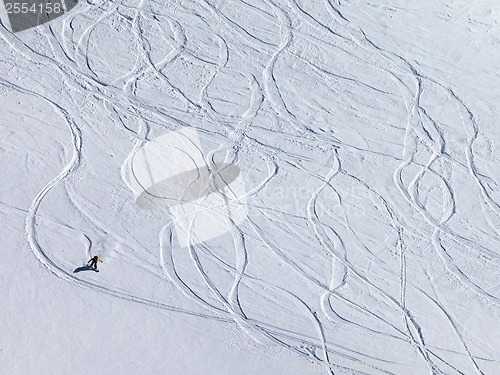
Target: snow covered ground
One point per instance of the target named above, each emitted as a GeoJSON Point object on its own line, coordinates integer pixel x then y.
{"type": "Point", "coordinates": [366, 134]}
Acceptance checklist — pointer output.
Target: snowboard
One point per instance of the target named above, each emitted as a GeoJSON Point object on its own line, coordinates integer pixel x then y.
{"type": "Point", "coordinates": [91, 269]}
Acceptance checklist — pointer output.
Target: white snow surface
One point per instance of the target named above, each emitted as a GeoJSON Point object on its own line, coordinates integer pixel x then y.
{"type": "Point", "coordinates": [367, 135]}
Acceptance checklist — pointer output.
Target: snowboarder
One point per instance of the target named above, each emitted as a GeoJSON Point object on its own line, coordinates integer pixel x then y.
{"type": "Point", "coordinates": [92, 263]}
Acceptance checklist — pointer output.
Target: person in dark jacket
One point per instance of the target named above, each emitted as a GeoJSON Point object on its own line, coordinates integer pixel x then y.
{"type": "Point", "coordinates": [92, 263]}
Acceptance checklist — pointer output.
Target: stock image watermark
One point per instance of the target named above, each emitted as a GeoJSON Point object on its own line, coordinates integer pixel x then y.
{"type": "Point", "coordinates": [171, 173]}
{"type": "Point", "coordinates": [296, 200]}
{"type": "Point", "coordinates": [26, 14]}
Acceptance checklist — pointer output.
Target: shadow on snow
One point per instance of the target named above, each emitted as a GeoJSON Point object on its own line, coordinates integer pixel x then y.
{"type": "Point", "coordinates": [83, 268]}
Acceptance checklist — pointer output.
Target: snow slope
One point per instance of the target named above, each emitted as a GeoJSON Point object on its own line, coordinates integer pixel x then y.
{"type": "Point", "coordinates": [367, 136]}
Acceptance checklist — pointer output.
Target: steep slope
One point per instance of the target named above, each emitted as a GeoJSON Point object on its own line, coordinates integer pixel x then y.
{"type": "Point", "coordinates": [365, 136]}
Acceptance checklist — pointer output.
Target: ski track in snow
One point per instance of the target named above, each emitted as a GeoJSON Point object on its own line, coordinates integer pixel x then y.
{"type": "Point", "coordinates": [354, 296]}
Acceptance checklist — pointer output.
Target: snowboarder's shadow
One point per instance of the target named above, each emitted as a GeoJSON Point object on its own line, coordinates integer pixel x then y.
{"type": "Point", "coordinates": [83, 268]}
